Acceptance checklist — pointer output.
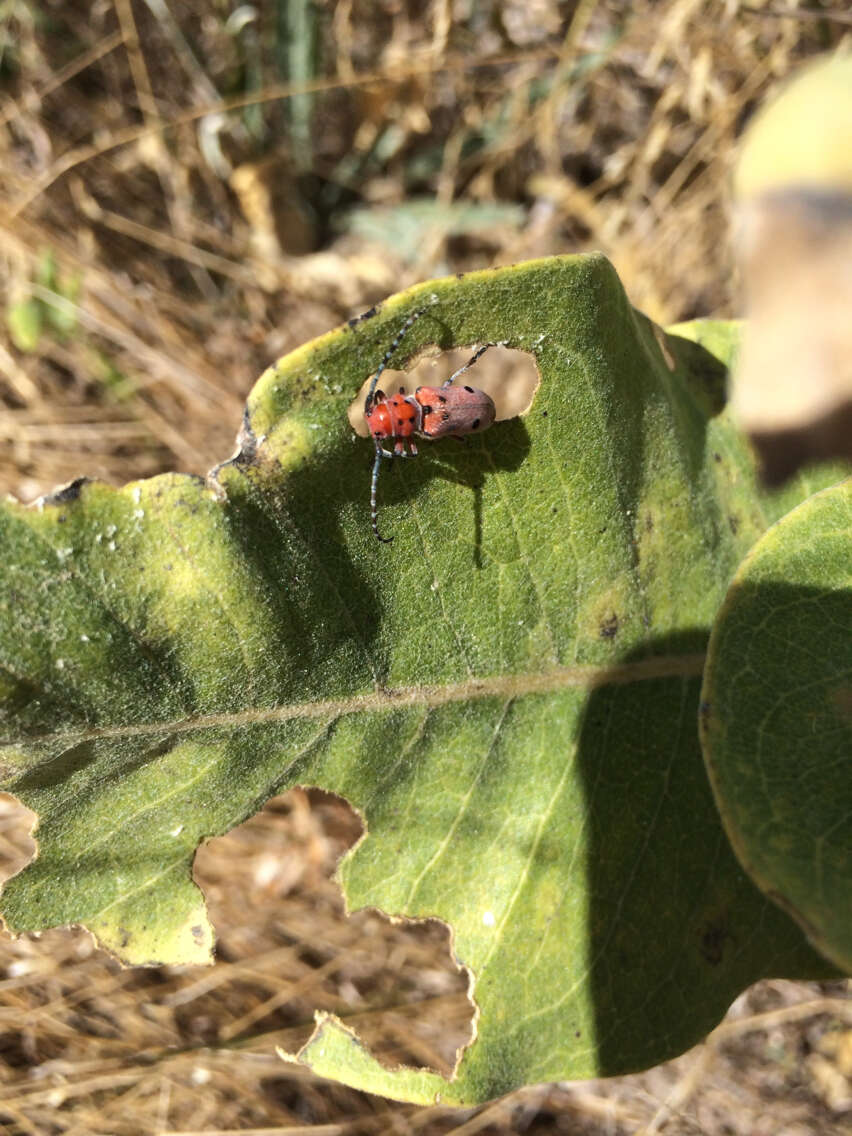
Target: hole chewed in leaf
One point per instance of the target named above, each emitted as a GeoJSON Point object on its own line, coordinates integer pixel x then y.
{"type": "Point", "coordinates": [270, 883]}
{"type": "Point", "coordinates": [17, 843]}
{"type": "Point", "coordinates": [285, 944]}
{"type": "Point", "coordinates": [510, 377]}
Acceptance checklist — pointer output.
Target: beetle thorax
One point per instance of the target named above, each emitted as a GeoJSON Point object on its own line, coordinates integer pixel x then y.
{"type": "Point", "coordinates": [399, 416]}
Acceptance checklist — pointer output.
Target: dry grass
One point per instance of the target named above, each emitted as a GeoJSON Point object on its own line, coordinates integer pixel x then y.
{"type": "Point", "coordinates": [88, 1047]}
{"type": "Point", "coordinates": [190, 246]}
{"type": "Point", "coordinates": [169, 224]}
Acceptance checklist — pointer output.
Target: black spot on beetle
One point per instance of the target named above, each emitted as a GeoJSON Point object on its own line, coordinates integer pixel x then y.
{"type": "Point", "coordinates": [475, 424]}
{"type": "Point", "coordinates": [441, 398]}
{"type": "Point", "coordinates": [446, 416]}
{"type": "Point", "coordinates": [428, 410]}
{"type": "Point", "coordinates": [470, 390]}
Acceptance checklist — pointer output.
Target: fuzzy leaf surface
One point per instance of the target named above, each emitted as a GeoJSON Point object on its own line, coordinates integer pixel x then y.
{"type": "Point", "coordinates": [777, 716]}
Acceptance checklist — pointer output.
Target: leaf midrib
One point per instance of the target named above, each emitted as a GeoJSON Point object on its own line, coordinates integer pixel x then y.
{"type": "Point", "coordinates": [589, 677]}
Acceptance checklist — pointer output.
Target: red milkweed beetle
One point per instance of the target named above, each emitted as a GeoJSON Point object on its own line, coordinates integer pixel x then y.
{"type": "Point", "coordinates": [432, 412]}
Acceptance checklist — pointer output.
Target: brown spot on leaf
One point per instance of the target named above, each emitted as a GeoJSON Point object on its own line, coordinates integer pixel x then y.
{"type": "Point", "coordinates": [609, 627]}
{"type": "Point", "coordinates": [842, 699]}
{"type": "Point", "coordinates": [715, 934]}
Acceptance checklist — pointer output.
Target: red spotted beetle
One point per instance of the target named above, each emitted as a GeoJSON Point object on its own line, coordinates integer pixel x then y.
{"type": "Point", "coordinates": [432, 412]}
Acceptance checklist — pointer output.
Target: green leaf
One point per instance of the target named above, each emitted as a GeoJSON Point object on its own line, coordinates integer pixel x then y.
{"type": "Point", "coordinates": [508, 694]}
{"type": "Point", "coordinates": [405, 227]}
{"type": "Point", "coordinates": [25, 321]}
{"type": "Point", "coordinates": [45, 269]}
{"type": "Point", "coordinates": [777, 716]}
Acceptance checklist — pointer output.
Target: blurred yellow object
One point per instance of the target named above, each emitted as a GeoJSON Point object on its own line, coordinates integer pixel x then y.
{"type": "Point", "coordinates": [803, 138]}
{"type": "Point", "coordinates": [792, 389]}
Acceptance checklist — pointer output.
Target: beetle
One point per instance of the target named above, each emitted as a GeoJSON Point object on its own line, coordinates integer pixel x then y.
{"type": "Point", "coordinates": [432, 412]}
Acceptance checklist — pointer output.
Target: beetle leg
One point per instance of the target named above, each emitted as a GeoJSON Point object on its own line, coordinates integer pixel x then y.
{"type": "Point", "coordinates": [374, 511]}
{"type": "Point", "coordinates": [372, 394]}
{"type": "Point", "coordinates": [476, 355]}
{"type": "Point", "coordinates": [397, 452]}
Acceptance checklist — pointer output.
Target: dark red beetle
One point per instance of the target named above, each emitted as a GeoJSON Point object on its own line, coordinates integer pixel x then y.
{"type": "Point", "coordinates": [432, 412]}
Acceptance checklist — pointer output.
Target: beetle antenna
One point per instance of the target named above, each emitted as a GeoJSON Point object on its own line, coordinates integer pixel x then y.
{"type": "Point", "coordinates": [374, 512]}
{"type": "Point", "coordinates": [388, 354]}
{"type": "Point", "coordinates": [476, 355]}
